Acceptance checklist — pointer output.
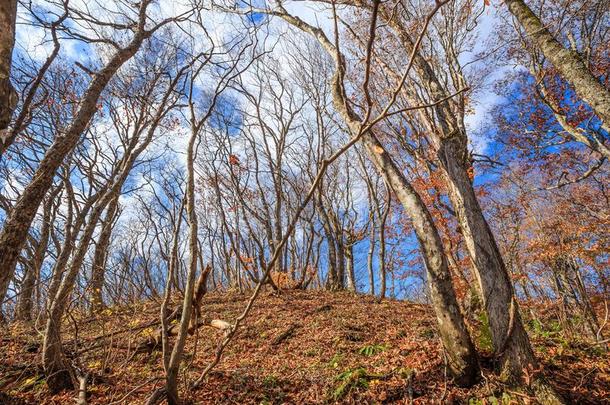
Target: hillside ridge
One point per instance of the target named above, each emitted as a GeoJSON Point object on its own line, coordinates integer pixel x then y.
{"type": "Point", "coordinates": [300, 347]}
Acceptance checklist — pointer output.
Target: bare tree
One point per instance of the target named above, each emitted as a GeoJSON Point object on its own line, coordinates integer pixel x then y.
{"type": "Point", "coordinates": [15, 228]}
{"type": "Point", "coordinates": [463, 359]}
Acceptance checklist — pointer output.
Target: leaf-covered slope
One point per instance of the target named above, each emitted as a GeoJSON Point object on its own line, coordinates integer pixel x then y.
{"type": "Point", "coordinates": [297, 347]}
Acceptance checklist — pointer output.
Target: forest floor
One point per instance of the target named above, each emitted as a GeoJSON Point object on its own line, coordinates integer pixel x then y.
{"type": "Point", "coordinates": [295, 348]}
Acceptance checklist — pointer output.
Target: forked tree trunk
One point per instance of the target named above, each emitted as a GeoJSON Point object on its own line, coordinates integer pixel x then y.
{"type": "Point", "coordinates": [567, 62]}
{"type": "Point", "coordinates": [462, 358]}
{"type": "Point", "coordinates": [509, 337]}
{"type": "Point", "coordinates": [510, 340]}
{"type": "Point", "coordinates": [55, 365]}
{"type": "Point", "coordinates": [53, 360]}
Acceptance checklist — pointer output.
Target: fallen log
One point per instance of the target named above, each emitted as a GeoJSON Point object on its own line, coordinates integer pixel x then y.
{"type": "Point", "coordinates": [155, 341]}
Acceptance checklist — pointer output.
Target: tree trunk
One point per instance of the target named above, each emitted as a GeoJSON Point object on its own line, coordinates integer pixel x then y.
{"type": "Point", "coordinates": [369, 261]}
{"type": "Point", "coordinates": [8, 95]}
{"type": "Point", "coordinates": [55, 365]}
{"type": "Point", "coordinates": [349, 268]}
{"type": "Point", "coordinates": [463, 363]}
{"type": "Point", "coordinates": [571, 290]}
{"type": "Point", "coordinates": [25, 303]}
{"type": "Point", "coordinates": [96, 285]}
{"type": "Point", "coordinates": [340, 281]}
{"type": "Point", "coordinates": [462, 356]}
{"type": "Point", "coordinates": [566, 61]}
{"type": "Point", "coordinates": [332, 276]}
{"type": "Point", "coordinates": [56, 369]}
{"type": "Point", "coordinates": [382, 264]}
{"type": "Point", "coordinates": [173, 367]}
{"type": "Point", "coordinates": [509, 337]}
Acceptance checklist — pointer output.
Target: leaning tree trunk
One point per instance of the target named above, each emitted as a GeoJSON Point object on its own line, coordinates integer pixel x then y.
{"type": "Point", "coordinates": [454, 335]}
{"type": "Point", "coordinates": [567, 62]}
{"type": "Point", "coordinates": [59, 372]}
{"type": "Point", "coordinates": [173, 365]}
{"type": "Point", "coordinates": [510, 340]}
{"type": "Point", "coordinates": [8, 95]}
{"type": "Point", "coordinates": [462, 357]}
{"type": "Point", "coordinates": [55, 365]}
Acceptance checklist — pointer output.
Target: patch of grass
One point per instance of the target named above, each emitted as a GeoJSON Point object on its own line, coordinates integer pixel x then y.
{"type": "Point", "coordinates": [32, 383]}
{"type": "Point", "coordinates": [552, 330]}
{"type": "Point", "coordinates": [504, 399]}
{"type": "Point", "coordinates": [371, 350]}
{"type": "Point", "coordinates": [270, 381]}
{"type": "Point", "coordinates": [335, 361]}
{"type": "Point", "coordinates": [349, 380]}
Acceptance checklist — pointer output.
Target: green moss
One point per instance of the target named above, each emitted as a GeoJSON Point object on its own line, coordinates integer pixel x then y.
{"type": "Point", "coordinates": [484, 339]}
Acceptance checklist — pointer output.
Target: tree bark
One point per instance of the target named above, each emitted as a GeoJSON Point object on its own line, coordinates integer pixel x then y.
{"type": "Point", "coordinates": [96, 284]}
{"type": "Point", "coordinates": [510, 340]}
{"type": "Point", "coordinates": [52, 349]}
{"type": "Point", "coordinates": [509, 337]}
{"type": "Point", "coordinates": [369, 260]}
{"type": "Point", "coordinates": [456, 340]}
{"type": "Point", "coordinates": [55, 365]}
{"type": "Point", "coordinates": [349, 267]}
{"type": "Point", "coordinates": [382, 265]}
{"type": "Point", "coordinates": [566, 61]}
{"type": "Point", "coordinates": [8, 95]}
{"type": "Point", "coordinates": [332, 278]}
{"type": "Point", "coordinates": [25, 303]}
{"type": "Point", "coordinates": [173, 366]}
